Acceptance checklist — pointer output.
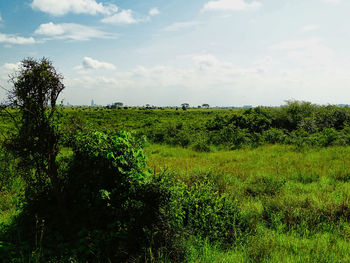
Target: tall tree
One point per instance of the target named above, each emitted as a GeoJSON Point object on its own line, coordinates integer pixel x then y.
{"type": "Point", "coordinates": [36, 87]}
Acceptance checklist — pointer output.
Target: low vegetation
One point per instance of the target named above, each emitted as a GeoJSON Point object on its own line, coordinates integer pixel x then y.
{"type": "Point", "coordinates": [170, 185]}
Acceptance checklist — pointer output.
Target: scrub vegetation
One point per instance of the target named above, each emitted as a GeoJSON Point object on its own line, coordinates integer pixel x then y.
{"type": "Point", "coordinates": [146, 184]}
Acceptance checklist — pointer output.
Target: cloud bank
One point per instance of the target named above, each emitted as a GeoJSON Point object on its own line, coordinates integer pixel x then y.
{"type": "Point", "coordinates": [90, 63]}
{"type": "Point", "coordinates": [230, 5]}
{"type": "Point", "coordinates": [70, 31]}
{"type": "Point", "coordinates": [17, 40]}
{"type": "Point", "coordinates": [63, 7]}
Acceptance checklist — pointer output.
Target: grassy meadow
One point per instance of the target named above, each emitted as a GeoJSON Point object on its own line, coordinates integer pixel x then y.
{"type": "Point", "coordinates": [266, 185]}
{"type": "Point", "coordinates": [297, 202]}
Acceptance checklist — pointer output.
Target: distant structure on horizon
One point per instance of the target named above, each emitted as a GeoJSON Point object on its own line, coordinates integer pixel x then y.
{"type": "Point", "coordinates": [92, 103]}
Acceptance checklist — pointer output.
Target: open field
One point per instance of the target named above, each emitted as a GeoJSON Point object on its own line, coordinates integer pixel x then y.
{"type": "Point", "coordinates": [206, 131]}
{"type": "Point", "coordinates": [297, 202]}
{"type": "Point", "coordinates": [251, 201]}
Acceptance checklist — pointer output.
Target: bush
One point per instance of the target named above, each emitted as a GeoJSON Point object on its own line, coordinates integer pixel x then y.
{"type": "Point", "coordinates": [113, 209]}
{"type": "Point", "coordinates": [211, 215]}
{"type": "Point", "coordinates": [274, 135]}
{"type": "Point", "coordinates": [115, 203]}
{"type": "Point", "coordinates": [327, 137]}
{"type": "Point", "coordinates": [199, 209]}
{"type": "Point", "coordinates": [201, 145]}
{"type": "Point", "coordinates": [235, 137]}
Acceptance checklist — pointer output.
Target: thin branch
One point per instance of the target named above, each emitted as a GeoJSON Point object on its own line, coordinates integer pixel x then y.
{"type": "Point", "coordinates": [4, 88]}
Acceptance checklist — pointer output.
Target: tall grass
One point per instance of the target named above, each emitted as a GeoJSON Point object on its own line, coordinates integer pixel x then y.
{"type": "Point", "coordinates": [296, 202]}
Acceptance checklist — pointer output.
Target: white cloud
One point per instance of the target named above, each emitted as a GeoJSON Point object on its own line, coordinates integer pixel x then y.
{"type": "Point", "coordinates": [70, 31]}
{"type": "Point", "coordinates": [153, 11]}
{"type": "Point", "coordinates": [265, 64]}
{"type": "Point", "coordinates": [181, 25]}
{"type": "Point", "coordinates": [5, 70]}
{"type": "Point", "coordinates": [208, 79]}
{"type": "Point", "coordinates": [307, 54]}
{"type": "Point", "coordinates": [90, 63]}
{"type": "Point", "coordinates": [231, 5]}
{"type": "Point", "coordinates": [62, 7]}
{"type": "Point", "coordinates": [13, 39]}
{"type": "Point", "coordinates": [296, 44]}
{"type": "Point", "coordinates": [123, 17]}
{"type": "Point", "coordinates": [0, 18]}
{"type": "Point", "coordinates": [309, 28]}
{"type": "Point", "coordinates": [205, 79]}
{"type": "Point", "coordinates": [205, 70]}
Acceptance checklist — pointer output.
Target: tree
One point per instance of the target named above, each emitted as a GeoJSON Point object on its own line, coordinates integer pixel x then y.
{"type": "Point", "coordinates": [184, 106]}
{"type": "Point", "coordinates": [119, 104]}
{"type": "Point", "coordinates": [36, 87]}
{"type": "Point", "coordinates": [205, 105]}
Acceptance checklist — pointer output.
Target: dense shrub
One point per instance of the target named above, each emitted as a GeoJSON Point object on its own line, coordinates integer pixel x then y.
{"type": "Point", "coordinates": [209, 214]}
{"type": "Point", "coordinates": [235, 137]}
{"type": "Point", "coordinates": [274, 135]}
{"type": "Point", "coordinates": [115, 204]}
{"type": "Point", "coordinates": [198, 208]}
{"type": "Point", "coordinates": [202, 144]}
{"type": "Point", "coordinates": [113, 209]}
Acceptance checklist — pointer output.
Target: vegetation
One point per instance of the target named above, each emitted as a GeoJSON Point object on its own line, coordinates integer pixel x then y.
{"type": "Point", "coordinates": [167, 185]}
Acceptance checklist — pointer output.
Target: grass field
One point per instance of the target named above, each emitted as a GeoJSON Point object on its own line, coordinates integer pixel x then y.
{"type": "Point", "coordinates": [293, 201]}
{"type": "Point", "coordinates": [296, 201]}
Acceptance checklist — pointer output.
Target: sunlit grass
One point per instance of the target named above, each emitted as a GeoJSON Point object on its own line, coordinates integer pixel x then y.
{"type": "Point", "coordinates": [298, 201]}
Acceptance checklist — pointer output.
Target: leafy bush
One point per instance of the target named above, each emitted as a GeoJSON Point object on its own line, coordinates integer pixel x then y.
{"type": "Point", "coordinates": [201, 144]}
{"type": "Point", "coordinates": [210, 214]}
{"type": "Point", "coordinates": [235, 137]}
{"type": "Point", "coordinates": [274, 135]}
{"type": "Point", "coordinates": [114, 202]}
{"type": "Point", "coordinates": [199, 209]}
{"type": "Point", "coordinates": [113, 209]}
{"type": "Point", "coordinates": [327, 137]}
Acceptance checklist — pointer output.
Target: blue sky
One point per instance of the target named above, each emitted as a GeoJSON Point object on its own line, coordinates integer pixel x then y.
{"type": "Point", "coordinates": [166, 52]}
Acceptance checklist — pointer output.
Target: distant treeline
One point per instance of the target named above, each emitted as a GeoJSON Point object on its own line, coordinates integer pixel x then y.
{"type": "Point", "coordinates": [296, 123]}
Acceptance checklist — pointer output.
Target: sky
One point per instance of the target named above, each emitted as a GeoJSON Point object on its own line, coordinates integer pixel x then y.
{"type": "Point", "coordinates": [168, 52]}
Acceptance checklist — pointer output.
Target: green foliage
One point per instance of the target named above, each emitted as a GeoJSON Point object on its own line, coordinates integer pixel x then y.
{"type": "Point", "coordinates": [289, 205]}
{"type": "Point", "coordinates": [274, 203]}
{"type": "Point", "coordinates": [274, 135]}
{"type": "Point", "coordinates": [227, 128]}
{"type": "Point", "coordinates": [202, 144]}
{"type": "Point", "coordinates": [116, 208]}
{"type": "Point", "coordinates": [36, 87]}
{"type": "Point", "coordinates": [209, 214]}
{"type": "Point", "coordinates": [235, 137]}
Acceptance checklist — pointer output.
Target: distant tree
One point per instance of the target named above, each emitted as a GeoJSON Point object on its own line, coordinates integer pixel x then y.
{"type": "Point", "coordinates": [36, 87]}
{"type": "Point", "coordinates": [205, 105]}
{"type": "Point", "coordinates": [119, 104]}
{"type": "Point", "coordinates": [186, 105]}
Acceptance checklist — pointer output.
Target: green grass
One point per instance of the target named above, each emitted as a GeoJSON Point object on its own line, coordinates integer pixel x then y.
{"type": "Point", "coordinates": [297, 202]}
{"type": "Point", "coordinates": [10, 201]}
{"type": "Point", "coordinates": [294, 201]}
